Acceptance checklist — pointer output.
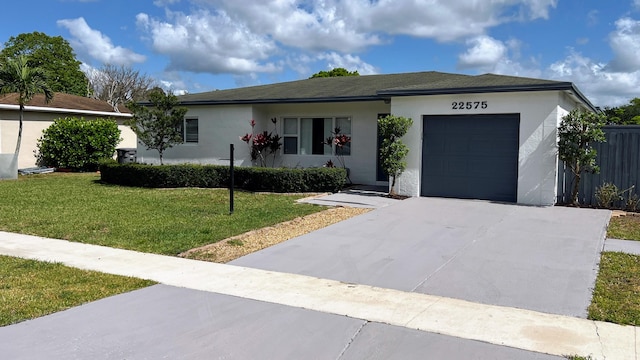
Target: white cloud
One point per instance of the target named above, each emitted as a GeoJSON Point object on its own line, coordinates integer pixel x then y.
{"type": "Point", "coordinates": [592, 17]}
{"type": "Point", "coordinates": [605, 84]}
{"type": "Point", "coordinates": [337, 25]}
{"type": "Point", "coordinates": [602, 87]}
{"type": "Point", "coordinates": [349, 62]}
{"type": "Point", "coordinates": [345, 26]}
{"type": "Point", "coordinates": [539, 9]}
{"type": "Point", "coordinates": [206, 42]}
{"type": "Point", "coordinates": [487, 54]}
{"type": "Point", "coordinates": [625, 43]}
{"type": "Point", "coordinates": [161, 3]}
{"type": "Point", "coordinates": [230, 36]}
{"type": "Point", "coordinates": [444, 20]}
{"type": "Point", "coordinates": [94, 44]}
{"type": "Point", "coordinates": [304, 64]}
{"type": "Point", "coordinates": [310, 25]}
{"type": "Point", "coordinates": [582, 41]}
{"type": "Point", "coordinates": [484, 53]}
{"type": "Point", "coordinates": [175, 88]}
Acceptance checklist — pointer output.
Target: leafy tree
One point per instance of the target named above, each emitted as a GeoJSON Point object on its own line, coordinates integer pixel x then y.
{"type": "Point", "coordinates": [54, 56]}
{"type": "Point", "coordinates": [119, 84]}
{"type": "Point", "coordinates": [77, 143]}
{"type": "Point", "coordinates": [576, 135]}
{"type": "Point", "coordinates": [158, 126]}
{"type": "Point", "coordinates": [624, 115]}
{"type": "Point", "coordinates": [16, 76]}
{"type": "Point", "coordinates": [392, 150]}
{"type": "Point", "coordinates": [335, 72]}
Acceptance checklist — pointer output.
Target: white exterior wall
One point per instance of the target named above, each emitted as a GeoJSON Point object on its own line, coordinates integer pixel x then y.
{"type": "Point", "coordinates": [33, 126]}
{"type": "Point", "coordinates": [364, 135]}
{"type": "Point", "coordinates": [218, 126]}
{"type": "Point", "coordinates": [540, 113]}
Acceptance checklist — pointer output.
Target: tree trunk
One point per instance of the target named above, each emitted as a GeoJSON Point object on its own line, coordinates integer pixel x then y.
{"type": "Point", "coordinates": [574, 191]}
{"type": "Point", "coordinates": [392, 191]}
{"type": "Point", "coordinates": [160, 152]}
{"type": "Point", "coordinates": [19, 142]}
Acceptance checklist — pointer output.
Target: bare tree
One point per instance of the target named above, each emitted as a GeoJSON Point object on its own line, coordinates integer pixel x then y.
{"type": "Point", "coordinates": [119, 84]}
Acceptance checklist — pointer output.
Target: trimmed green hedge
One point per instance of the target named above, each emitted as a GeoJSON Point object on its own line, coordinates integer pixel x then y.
{"type": "Point", "coordinates": [282, 180]}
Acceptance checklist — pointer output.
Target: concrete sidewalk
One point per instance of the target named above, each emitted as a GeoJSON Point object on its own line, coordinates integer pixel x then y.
{"type": "Point", "coordinates": [504, 326]}
{"type": "Point", "coordinates": [371, 197]}
{"type": "Point", "coordinates": [625, 246]}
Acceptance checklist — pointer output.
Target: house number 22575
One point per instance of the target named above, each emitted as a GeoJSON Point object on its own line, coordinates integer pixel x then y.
{"type": "Point", "coordinates": [468, 105]}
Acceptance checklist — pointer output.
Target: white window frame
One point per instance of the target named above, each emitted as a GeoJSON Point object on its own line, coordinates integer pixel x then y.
{"type": "Point", "coordinates": [183, 131]}
{"type": "Point", "coordinates": [297, 134]}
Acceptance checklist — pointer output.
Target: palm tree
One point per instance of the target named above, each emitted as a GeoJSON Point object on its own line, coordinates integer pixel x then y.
{"type": "Point", "coordinates": [17, 77]}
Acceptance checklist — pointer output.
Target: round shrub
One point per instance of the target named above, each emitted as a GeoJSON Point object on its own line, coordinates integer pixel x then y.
{"type": "Point", "coordinates": [78, 144]}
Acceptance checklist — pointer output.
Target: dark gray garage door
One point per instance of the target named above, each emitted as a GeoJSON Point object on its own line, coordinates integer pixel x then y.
{"type": "Point", "coordinates": [471, 156]}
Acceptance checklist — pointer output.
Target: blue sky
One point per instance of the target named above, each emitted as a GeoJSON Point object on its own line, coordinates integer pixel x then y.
{"type": "Point", "coordinates": [202, 45]}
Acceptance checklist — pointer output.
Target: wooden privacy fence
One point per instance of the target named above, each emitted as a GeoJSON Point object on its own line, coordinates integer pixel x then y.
{"type": "Point", "coordinates": [619, 161]}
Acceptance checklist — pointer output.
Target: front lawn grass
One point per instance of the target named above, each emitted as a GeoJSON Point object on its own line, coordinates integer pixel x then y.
{"type": "Point", "coordinates": [616, 297]}
{"type": "Point", "coordinates": [77, 207]}
{"type": "Point", "coordinates": [29, 289]}
{"type": "Point", "coordinates": [624, 227]}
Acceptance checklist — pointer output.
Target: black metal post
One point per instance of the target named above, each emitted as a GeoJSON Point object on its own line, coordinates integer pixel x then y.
{"type": "Point", "coordinates": [231, 180]}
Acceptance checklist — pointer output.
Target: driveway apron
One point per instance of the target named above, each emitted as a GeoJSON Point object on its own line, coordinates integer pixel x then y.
{"type": "Point", "coordinates": [537, 258]}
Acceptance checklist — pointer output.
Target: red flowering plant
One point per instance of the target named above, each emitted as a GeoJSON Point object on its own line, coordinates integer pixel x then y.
{"type": "Point", "coordinates": [340, 141]}
{"type": "Point", "coordinates": [263, 144]}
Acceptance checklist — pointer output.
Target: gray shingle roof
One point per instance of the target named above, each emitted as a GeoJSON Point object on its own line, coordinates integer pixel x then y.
{"type": "Point", "coordinates": [373, 87]}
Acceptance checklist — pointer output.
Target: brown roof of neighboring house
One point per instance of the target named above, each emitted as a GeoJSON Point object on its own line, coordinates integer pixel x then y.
{"type": "Point", "coordinates": [64, 101]}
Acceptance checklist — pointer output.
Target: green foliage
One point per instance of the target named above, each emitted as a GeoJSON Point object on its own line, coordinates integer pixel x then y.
{"type": "Point", "coordinates": [282, 180]}
{"type": "Point", "coordinates": [392, 150]}
{"type": "Point", "coordinates": [164, 176]}
{"type": "Point", "coordinates": [77, 143]}
{"type": "Point", "coordinates": [335, 72]}
{"type": "Point", "coordinates": [339, 142]}
{"type": "Point", "coordinates": [54, 56]}
{"type": "Point", "coordinates": [628, 114]}
{"type": "Point", "coordinates": [286, 180]}
{"type": "Point", "coordinates": [17, 76]}
{"type": "Point", "coordinates": [577, 133]}
{"type": "Point", "coordinates": [158, 126]}
{"type": "Point", "coordinates": [263, 144]}
{"type": "Point", "coordinates": [624, 227]}
{"type": "Point", "coordinates": [615, 297]}
{"type": "Point", "coordinates": [609, 196]}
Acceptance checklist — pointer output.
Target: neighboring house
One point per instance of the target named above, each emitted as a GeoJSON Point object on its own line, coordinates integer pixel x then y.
{"type": "Point", "coordinates": [481, 137]}
{"type": "Point", "coordinates": [39, 115]}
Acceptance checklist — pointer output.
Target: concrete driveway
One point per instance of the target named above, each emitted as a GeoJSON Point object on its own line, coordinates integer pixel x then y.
{"type": "Point", "coordinates": [542, 259]}
{"type": "Point", "coordinates": [536, 258]}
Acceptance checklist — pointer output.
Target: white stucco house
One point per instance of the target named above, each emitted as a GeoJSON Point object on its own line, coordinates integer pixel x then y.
{"type": "Point", "coordinates": [486, 137]}
{"type": "Point", "coordinates": [39, 115]}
